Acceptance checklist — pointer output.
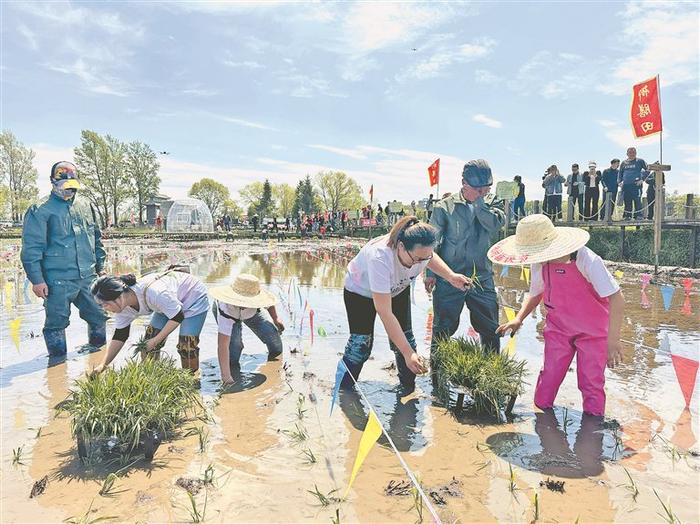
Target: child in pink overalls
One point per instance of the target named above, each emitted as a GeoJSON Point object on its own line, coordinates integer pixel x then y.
{"type": "Point", "coordinates": [584, 307]}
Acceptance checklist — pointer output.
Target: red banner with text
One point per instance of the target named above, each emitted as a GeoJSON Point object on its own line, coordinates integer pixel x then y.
{"type": "Point", "coordinates": [646, 109]}
{"type": "Point", "coordinates": [434, 173]}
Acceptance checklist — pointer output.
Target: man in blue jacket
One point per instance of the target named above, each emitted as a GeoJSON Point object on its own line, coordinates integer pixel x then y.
{"type": "Point", "coordinates": [633, 171]}
{"type": "Point", "coordinates": [466, 226]}
{"type": "Point", "coordinates": [62, 254]}
{"type": "Point", "coordinates": [609, 182]}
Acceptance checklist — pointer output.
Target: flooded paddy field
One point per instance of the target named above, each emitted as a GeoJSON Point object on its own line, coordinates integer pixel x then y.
{"type": "Point", "coordinates": [271, 441]}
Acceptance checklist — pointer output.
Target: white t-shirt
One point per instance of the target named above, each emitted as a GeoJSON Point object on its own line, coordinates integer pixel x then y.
{"type": "Point", "coordinates": [238, 313]}
{"type": "Point", "coordinates": [376, 269]}
{"type": "Point", "coordinates": [591, 267]}
{"type": "Point", "coordinates": [167, 295]}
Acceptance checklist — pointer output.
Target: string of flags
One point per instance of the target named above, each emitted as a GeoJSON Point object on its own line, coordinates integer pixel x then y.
{"type": "Point", "coordinates": [373, 430]}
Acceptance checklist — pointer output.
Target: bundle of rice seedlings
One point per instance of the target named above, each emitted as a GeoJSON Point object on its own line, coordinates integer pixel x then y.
{"type": "Point", "coordinates": [140, 400]}
{"type": "Point", "coordinates": [492, 379]}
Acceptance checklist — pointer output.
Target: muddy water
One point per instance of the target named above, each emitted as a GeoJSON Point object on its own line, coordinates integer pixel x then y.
{"type": "Point", "coordinates": [264, 475]}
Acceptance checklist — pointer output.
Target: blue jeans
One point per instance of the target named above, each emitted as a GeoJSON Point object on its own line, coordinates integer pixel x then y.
{"type": "Point", "coordinates": [519, 208]}
{"type": "Point", "coordinates": [448, 303]}
{"type": "Point", "coordinates": [191, 326]}
{"type": "Point", "coordinates": [263, 328]}
{"type": "Point", "coordinates": [63, 293]}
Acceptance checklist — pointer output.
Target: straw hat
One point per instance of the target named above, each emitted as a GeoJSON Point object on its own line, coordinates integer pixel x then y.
{"type": "Point", "coordinates": [245, 291]}
{"type": "Point", "coordinates": [536, 240]}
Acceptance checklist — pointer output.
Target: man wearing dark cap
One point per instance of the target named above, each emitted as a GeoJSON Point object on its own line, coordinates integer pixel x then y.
{"type": "Point", "coordinates": [576, 189]}
{"type": "Point", "coordinates": [62, 254]}
{"type": "Point", "coordinates": [609, 183]}
{"type": "Point", "coordinates": [466, 225]}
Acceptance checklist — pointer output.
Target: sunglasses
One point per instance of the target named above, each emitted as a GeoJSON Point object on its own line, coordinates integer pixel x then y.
{"type": "Point", "coordinates": [64, 173]}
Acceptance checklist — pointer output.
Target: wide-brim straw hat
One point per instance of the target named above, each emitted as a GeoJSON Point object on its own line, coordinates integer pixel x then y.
{"type": "Point", "coordinates": [536, 240]}
{"type": "Point", "coordinates": [245, 291]}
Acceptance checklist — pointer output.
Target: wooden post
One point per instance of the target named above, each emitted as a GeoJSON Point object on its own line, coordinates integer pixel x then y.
{"type": "Point", "coordinates": [645, 207]}
{"type": "Point", "coordinates": [607, 206]}
{"type": "Point", "coordinates": [659, 208]}
{"type": "Point", "coordinates": [689, 209]}
{"type": "Point", "coordinates": [536, 207]}
{"type": "Point", "coordinates": [509, 215]}
{"type": "Point", "coordinates": [570, 210]}
{"type": "Point", "coordinates": [622, 244]}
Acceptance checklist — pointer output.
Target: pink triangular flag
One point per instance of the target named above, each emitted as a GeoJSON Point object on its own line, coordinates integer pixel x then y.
{"type": "Point", "coordinates": [687, 284]}
{"type": "Point", "coordinates": [686, 373]}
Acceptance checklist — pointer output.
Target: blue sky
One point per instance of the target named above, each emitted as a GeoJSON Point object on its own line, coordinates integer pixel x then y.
{"type": "Point", "coordinates": [240, 92]}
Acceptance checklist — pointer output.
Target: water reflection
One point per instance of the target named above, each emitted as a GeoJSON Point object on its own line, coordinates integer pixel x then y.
{"type": "Point", "coordinates": [550, 450]}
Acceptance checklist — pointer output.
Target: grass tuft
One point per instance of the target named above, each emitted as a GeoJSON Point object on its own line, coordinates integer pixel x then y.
{"type": "Point", "coordinates": [153, 395]}
{"type": "Point", "coordinates": [492, 378]}
{"type": "Point", "coordinates": [17, 456]}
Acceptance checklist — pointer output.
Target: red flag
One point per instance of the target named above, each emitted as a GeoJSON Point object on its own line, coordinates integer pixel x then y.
{"type": "Point", "coordinates": [646, 109]}
{"type": "Point", "coordinates": [371, 193]}
{"type": "Point", "coordinates": [434, 173]}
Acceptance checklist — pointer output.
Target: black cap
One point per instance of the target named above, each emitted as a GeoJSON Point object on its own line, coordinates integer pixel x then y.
{"type": "Point", "coordinates": [477, 173]}
{"type": "Point", "coordinates": [615, 160]}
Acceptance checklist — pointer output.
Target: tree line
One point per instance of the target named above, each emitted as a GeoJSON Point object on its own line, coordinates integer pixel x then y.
{"type": "Point", "coordinates": [116, 175]}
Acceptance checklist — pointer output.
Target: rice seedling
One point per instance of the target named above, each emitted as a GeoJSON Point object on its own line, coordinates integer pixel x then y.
{"type": "Point", "coordinates": [300, 406]}
{"type": "Point", "coordinates": [536, 507]}
{"type": "Point", "coordinates": [298, 434]}
{"type": "Point", "coordinates": [195, 514]}
{"type": "Point", "coordinates": [309, 457]}
{"type": "Point", "coordinates": [87, 518]}
{"type": "Point", "coordinates": [202, 436]}
{"type": "Point", "coordinates": [324, 500]}
{"type": "Point", "coordinates": [491, 378]}
{"type": "Point", "coordinates": [208, 479]}
{"type": "Point", "coordinates": [417, 503]}
{"type": "Point", "coordinates": [511, 480]}
{"type": "Point", "coordinates": [567, 421]}
{"type": "Point", "coordinates": [108, 484]}
{"type": "Point", "coordinates": [38, 432]}
{"type": "Point", "coordinates": [141, 399]}
{"type": "Point", "coordinates": [17, 456]}
{"type": "Point", "coordinates": [671, 449]}
{"type": "Point", "coordinates": [336, 519]}
{"type": "Point", "coordinates": [668, 515]}
{"type": "Point", "coordinates": [631, 485]}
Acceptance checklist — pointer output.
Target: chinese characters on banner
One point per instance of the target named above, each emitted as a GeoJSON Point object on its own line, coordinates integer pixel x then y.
{"type": "Point", "coordinates": [434, 173]}
{"type": "Point", "coordinates": [646, 110]}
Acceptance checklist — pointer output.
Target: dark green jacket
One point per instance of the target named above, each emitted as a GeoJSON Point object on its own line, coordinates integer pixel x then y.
{"type": "Point", "coordinates": [61, 240]}
{"type": "Point", "coordinates": [465, 233]}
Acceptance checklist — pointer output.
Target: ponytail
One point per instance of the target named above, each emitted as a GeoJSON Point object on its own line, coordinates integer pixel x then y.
{"type": "Point", "coordinates": [411, 232]}
{"type": "Point", "coordinates": [110, 288]}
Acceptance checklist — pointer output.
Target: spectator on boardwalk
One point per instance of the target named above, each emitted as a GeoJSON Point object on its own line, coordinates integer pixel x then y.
{"type": "Point", "coordinates": [576, 190]}
{"type": "Point", "coordinates": [552, 184]}
{"type": "Point", "coordinates": [632, 174]}
{"type": "Point", "coordinates": [519, 202]}
{"type": "Point", "coordinates": [591, 179]}
{"type": "Point", "coordinates": [429, 205]}
{"type": "Point", "coordinates": [609, 183]}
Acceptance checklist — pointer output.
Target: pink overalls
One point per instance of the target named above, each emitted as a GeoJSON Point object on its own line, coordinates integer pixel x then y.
{"type": "Point", "coordinates": [577, 322]}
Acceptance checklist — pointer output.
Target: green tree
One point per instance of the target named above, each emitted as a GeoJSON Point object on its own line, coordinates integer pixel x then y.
{"type": "Point", "coordinates": [101, 165]}
{"type": "Point", "coordinates": [338, 191]}
{"type": "Point", "coordinates": [212, 193]}
{"type": "Point", "coordinates": [306, 199]}
{"type": "Point", "coordinates": [17, 174]}
{"type": "Point", "coordinates": [284, 197]}
{"type": "Point", "coordinates": [142, 169]}
{"type": "Point", "coordinates": [298, 193]}
{"type": "Point", "coordinates": [266, 206]}
{"type": "Point", "coordinates": [232, 209]}
{"type": "Point", "coordinates": [250, 195]}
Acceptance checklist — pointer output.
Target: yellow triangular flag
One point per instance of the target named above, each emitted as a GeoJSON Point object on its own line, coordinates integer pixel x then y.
{"type": "Point", "coordinates": [522, 272]}
{"type": "Point", "coordinates": [619, 274]}
{"type": "Point", "coordinates": [510, 315]}
{"type": "Point", "coordinates": [14, 330]}
{"type": "Point", "coordinates": [526, 270]}
{"type": "Point", "coordinates": [8, 295]}
{"type": "Point", "coordinates": [373, 430]}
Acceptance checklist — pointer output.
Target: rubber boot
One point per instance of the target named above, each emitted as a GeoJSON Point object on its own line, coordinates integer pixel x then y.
{"type": "Point", "coordinates": [407, 378]}
{"type": "Point", "coordinates": [97, 335]}
{"type": "Point", "coordinates": [55, 340]}
{"type": "Point", "coordinates": [357, 352]}
{"type": "Point", "coordinates": [188, 348]}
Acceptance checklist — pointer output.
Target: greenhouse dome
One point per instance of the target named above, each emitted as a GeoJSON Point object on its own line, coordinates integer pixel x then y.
{"type": "Point", "coordinates": [189, 215]}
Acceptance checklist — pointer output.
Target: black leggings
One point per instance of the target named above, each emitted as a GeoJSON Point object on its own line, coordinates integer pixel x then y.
{"type": "Point", "coordinates": [362, 314]}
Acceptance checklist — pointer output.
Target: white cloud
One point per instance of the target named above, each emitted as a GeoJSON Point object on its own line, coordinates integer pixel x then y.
{"type": "Point", "coordinates": [607, 123]}
{"type": "Point", "coordinates": [555, 75]}
{"type": "Point", "coordinates": [484, 76]}
{"type": "Point", "coordinates": [239, 121]}
{"type": "Point", "coordinates": [661, 38]}
{"type": "Point", "coordinates": [92, 78]}
{"type": "Point", "coordinates": [691, 153]}
{"type": "Point", "coordinates": [446, 57]}
{"type": "Point", "coordinates": [29, 36]}
{"type": "Point", "coordinates": [487, 121]}
{"type": "Point", "coordinates": [200, 92]}
{"type": "Point", "coordinates": [249, 64]}
{"type": "Point", "coordinates": [46, 155]}
{"type": "Point", "coordinates": [623, 137]}
{"type": "Point", "coordinates": [351, 153]}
